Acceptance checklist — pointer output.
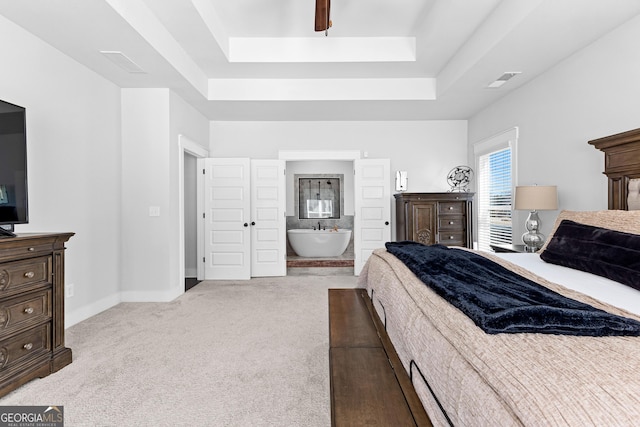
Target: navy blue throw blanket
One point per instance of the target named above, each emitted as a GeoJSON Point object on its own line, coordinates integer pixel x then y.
{"type": "Point", "coordinates": [501, 301]}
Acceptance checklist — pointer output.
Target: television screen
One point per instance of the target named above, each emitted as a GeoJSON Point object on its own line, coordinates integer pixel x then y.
{"type": "Point", "coordinates": [13, 165]}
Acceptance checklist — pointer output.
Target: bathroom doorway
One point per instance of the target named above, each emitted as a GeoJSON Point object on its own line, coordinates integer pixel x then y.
{"type": "Point", "coordinates": [371, 188]}
{"type": "Point", "coordinates": [320, 195]}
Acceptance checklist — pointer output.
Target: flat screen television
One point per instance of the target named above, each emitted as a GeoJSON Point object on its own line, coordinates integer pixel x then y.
{"type": "Point", "coordinates": [13, 168]}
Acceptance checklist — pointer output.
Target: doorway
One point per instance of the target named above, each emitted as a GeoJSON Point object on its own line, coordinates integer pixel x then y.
{"type": "Point", "coordinates": [320, 193]}
{"type": "Point", "coordinates": [372, 194]}
{"type": "Point", "coordinates": [190, 239]}
{"type": "Point", "coordinates": [190, 221]}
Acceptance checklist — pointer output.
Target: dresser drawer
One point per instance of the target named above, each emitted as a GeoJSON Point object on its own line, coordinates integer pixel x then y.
{"type": "Point", "coordinates": [452, 223]}
{"type": "Point", "coordinates": [456, 208]}
{"type": "Point", "coordinates": [26, 345]}
{"type": "Point", "coordinates": [24, 250]}
{"type": "Point", "coordinates": [22, 274]}
{"type": "Point", "coordinates": [451, 238]}
{"type": "Point", "coordinates": [24, 311]}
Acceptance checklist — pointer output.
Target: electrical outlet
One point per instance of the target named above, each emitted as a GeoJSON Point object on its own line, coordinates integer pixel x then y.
{"type": "Point", "coordinates": [68, 291]}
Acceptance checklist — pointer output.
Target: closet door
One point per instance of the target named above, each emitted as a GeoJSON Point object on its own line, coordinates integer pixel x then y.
{"type": "Point", "coordinates": [372, 227]}
{"type": "Point", "coordinates": [227, 233]}
{"type": "Point", "coordinates": [268, 222]}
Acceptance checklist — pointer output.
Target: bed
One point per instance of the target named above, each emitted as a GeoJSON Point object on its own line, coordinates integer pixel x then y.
{"type": "Point", "coordinates": [465, 376]}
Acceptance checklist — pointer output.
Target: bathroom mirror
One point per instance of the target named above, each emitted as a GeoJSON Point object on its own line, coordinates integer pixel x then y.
{"type": "Point", "coordinates": [319, 196]}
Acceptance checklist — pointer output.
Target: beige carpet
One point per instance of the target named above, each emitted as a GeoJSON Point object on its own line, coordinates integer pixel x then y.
{"type": "Point", "coordinates": [247, 353]}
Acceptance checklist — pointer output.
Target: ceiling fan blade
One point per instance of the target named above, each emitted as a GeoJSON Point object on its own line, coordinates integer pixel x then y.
{"type": "Point", "coordinates": [323, 8]}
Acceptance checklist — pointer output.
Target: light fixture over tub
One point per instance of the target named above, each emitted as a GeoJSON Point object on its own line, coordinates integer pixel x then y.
{"type": "Point", "coordinates": [534, 198]}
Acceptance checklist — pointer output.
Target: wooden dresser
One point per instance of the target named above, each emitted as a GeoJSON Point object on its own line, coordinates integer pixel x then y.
{"type": "Point", "coordinates": [31, 308]}
{"type": "Point", "coordinates": [429, 218]}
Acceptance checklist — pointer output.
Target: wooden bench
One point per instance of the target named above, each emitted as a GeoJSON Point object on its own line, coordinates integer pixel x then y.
{"type": "Point", "coordinates": [369, 385]}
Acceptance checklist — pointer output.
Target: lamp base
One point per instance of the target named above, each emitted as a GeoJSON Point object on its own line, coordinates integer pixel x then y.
{"type": "Point", "coordinates": [533, 239]}
{"type": "Point", "coordinates": [530, 248]}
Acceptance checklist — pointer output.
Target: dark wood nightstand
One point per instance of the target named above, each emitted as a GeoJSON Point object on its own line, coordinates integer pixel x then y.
{"type": "Point", "coordinates": [509, 248]}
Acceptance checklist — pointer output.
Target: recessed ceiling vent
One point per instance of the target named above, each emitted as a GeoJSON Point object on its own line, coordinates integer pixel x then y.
{"type": "Point", "coordinates": [503, 79]}
{"type": "Point", "coordinates": [122, 61]}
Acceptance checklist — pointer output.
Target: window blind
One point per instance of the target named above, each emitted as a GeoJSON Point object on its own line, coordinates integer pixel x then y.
{"type": "Point", "coordinates": [494, 198]}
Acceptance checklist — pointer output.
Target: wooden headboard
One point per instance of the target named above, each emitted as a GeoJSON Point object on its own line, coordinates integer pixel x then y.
{"type": "Point", "coordinates": [622, 167]}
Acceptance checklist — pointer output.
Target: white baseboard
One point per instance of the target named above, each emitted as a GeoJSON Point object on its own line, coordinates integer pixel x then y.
{"type": "Point", "coordinates": [83, 313]}
{"type": "Point", "coordinates": [151, 296]}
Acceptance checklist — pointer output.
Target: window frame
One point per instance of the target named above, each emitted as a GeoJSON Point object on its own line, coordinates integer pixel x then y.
{"type": "Point", "coordinates": [493, 144]}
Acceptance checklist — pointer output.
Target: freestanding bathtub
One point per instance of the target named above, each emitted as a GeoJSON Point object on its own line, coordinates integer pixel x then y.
{"type": "Point", "coordinates": [319, 243]}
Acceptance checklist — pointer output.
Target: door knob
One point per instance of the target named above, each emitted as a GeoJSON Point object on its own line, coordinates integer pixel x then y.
{"type": "Point", "coordinates": [253, 223]}
{"type": "Point", "coordinates": [386, 223]}
{"type": "Point", "coordinates": [246, 225]}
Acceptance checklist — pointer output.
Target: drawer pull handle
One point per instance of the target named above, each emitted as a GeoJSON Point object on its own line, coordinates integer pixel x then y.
{"type": "Point", "coordinates": [28, 346]}
{"type": "Point", "coordinates": [450, 208]}
{"type": "Point", "coordinates": [450, 222]}
{"type": "Point", "coordinates": [451, 237]}
{"type": "Point", "coordinates": [28, 310]}
{"type": "Point", "coordinates": [29, 274]}
{"type": "Point", "coordinates": [31, 249]}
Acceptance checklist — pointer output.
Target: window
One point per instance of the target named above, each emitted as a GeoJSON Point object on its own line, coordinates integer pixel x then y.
{"type": "Point", "coordinates": [495, 166]}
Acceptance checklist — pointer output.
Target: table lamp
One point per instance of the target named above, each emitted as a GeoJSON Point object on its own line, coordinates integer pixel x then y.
{"type": "Point", "coordinates": [534, 198]}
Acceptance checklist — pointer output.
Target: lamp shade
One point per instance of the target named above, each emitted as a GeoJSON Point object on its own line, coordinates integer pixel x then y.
{"type": "Point", "coordinates": [536, 198]}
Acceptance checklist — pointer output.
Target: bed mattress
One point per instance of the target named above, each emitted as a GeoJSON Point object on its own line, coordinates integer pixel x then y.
{"type": "Point", "coordinates": [465, 377]}
{"type": "Point", "coordinates": [600, 288]}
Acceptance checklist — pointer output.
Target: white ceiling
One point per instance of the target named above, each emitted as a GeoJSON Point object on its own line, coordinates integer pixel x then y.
{"type": "Point", "coordinates": [381, 60]}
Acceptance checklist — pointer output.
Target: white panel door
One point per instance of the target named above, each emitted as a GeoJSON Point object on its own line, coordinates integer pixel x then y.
{"type": "Point", "coordinates": [268, 222]}
{"type": "Point", "coordinates": [227, 202]}
{"type": "Point", "coordinates": [372, 202]}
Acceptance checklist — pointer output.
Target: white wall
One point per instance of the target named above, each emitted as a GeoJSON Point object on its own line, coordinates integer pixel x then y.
{"type": "Point", "coordinates": [152, 120]}
{"type": "Point", "coordinates": [184, 120]}
{"type": "Point", "coordinates": [73, 137]}
{"type": "Point", "coordinates": [145, 184]}
{"type": "Point", "coordinates": [427, 150]}
{"type": "Point", "coordinates": [592, 94]}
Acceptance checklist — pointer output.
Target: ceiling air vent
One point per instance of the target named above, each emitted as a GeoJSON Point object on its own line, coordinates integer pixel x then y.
{"type": "Point", "coordinates": [122, 61]}
{"type": "Point", "coordinates": [503, 79]}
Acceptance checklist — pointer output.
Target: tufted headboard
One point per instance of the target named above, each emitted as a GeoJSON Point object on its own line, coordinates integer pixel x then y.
{"type": "Point", "coordinates": [622, 167]}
